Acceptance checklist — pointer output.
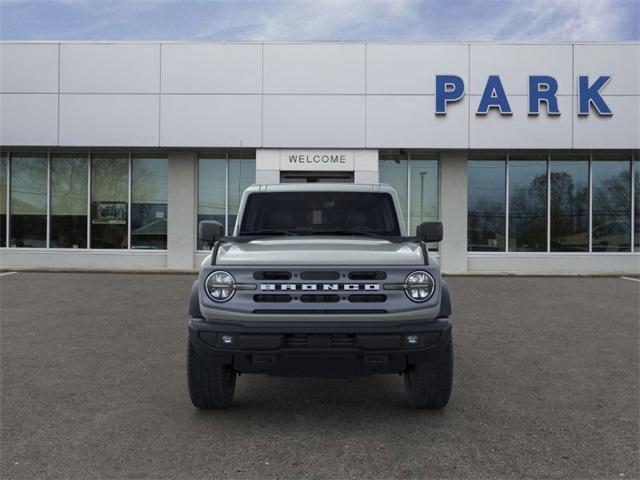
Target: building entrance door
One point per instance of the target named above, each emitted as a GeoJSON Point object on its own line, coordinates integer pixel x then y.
{"type": "Point", "coordinates": [316, 177]}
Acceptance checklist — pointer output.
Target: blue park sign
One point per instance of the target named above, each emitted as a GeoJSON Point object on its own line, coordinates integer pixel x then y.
{"type": "Point", "coordinates": [542, 89]}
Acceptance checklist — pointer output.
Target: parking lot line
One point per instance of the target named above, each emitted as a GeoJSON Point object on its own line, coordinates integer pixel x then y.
{"type": "Point", "coordinates": [632, 279]}
{"type": "Point", "coordinates": [4, 274]}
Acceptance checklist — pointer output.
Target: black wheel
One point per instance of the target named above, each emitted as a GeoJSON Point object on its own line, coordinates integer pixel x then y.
{"type": "Point", "coordinates": [211, 384]}
{"type": "Point", "coordinates": [428, 384]}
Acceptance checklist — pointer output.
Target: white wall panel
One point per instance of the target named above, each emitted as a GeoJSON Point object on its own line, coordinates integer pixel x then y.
{"type": "Point", "coordinates": [621, 130]}
{"type": "Point", "coordinates": [620, 61]}
{"type": "Point", "coordinates": [521, 130]}
{"type": "Point", "coordinates": [555, 263]}
{"type": "Point", "coordinates": [28, 68]}
{"type": "Point", "coordinates": [313, 121]}
{"type": "Point", "coordinates": [211, 120]}
{"type": "Point", "coordinates": [514, 64]}
{"type": "Point", "coordinates": [82, 259]}
{"type": "Point", "coordinates": [110, 68]}
{"type": "Point", "coordinates": [109, 120]}
{"type": "Point", "coordinates": [211, 68]}
{"type": "Point", "coordinates": [314, 68]}
{"type": "Point", "coordinates": [411, 69]}
{"type": "Point", "coordinates": [409, 121]}
{"type": "Point", "coordinates": [28, 119]}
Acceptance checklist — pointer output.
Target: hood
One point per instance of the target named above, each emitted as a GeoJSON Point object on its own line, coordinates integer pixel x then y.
{"type": "Point", "coordinates": [320, 251]}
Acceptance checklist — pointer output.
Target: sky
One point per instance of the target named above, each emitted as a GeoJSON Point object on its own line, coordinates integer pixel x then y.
{"type": "Point", "coordinates": [321, 20]}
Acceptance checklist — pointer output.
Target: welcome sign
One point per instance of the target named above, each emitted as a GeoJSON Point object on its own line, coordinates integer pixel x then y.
{"type": "Point", "coordinates": [317, 160]}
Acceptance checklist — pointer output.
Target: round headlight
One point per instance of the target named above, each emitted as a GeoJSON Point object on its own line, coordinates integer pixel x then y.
{"type": "Point", "coordinates": [220, 286]}
{"type": "Point", "coordinates": [419, 286]}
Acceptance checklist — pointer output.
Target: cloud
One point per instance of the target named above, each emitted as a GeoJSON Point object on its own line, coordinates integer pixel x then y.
{"type": "Point", "coordinates": [331, 20]}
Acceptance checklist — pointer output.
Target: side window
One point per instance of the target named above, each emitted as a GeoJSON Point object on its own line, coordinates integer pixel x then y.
{"type": "Point", "coordinates": [486, 194]}
{"type": "Point", "coordinates": [28, 207]}
{"type": "Point", "coordinates": [149, 197]}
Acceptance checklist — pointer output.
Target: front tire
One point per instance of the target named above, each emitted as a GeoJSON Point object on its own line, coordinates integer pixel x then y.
{"type": "Point", "coordinates": [428, 384]}
{"type": "Point", "coordinates": [211, 384]}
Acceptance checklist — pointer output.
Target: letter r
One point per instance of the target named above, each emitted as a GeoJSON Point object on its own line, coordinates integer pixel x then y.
{"type": "Point", "coordinates": [449, 88]}
{"type": "Point", "coordinates": [548, 96]}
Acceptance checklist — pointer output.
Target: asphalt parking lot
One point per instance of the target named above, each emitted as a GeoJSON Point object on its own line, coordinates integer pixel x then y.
{"type": "Point", "coordinates": [93, 386]}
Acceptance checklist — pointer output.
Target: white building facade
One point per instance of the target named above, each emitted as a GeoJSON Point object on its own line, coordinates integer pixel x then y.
{"type": "Point", "coordinates": [110, 153]}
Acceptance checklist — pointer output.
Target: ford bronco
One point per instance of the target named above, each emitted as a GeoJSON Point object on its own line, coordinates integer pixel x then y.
{"type": "Point", "coordinates": [319, 280]}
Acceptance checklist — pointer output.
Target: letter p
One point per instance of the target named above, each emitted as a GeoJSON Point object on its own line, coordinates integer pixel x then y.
{"type": "Point", "coordinates": [449, 88]}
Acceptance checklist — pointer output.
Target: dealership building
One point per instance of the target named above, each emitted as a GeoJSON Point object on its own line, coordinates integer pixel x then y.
{"type": "Point", "coordinates": [110, 153]}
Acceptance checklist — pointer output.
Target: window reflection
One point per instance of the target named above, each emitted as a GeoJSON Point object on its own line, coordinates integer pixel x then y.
{"type": "Point", "coordinates": [28, 201]}
{"type": "Point", "coordinates": [393, 170]}
{"type": "Point", "coordinates": [149, 196]}
{"type": "Point", "coordinates": [69, 201]}
{"type": "Point", "coordinates": [636, 189]}
{"type": "Point", "coordinates": [424, 190]}
{"type": "Point", "coordinates": [240, 165]}
{"type": "Point", "coordinates": [611, 230]}
{"type": "Point", "coordinates": [211, 191]}
{"type": "Point", "coordinates": [527, 203]}
{"type": "Point", "coordinates": [109, 196]}
{"type": "Point", "coordinates": [569, 203]}
{"type": "Point", "coordinates": [486, 200]}
{"type": "Point", "coordinates": [423, 172]}
{"type": "Point", "coordinates": [242, 173]}
{"type": "Point", "coordinates": [3, 200]}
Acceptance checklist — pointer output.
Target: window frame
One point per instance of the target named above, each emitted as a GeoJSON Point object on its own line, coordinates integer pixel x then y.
{"type": "Point", "coordinates": [153, 155]}
{"type": "Point", "coordinates": [223, 157]}
{"type": "Point", "coordinates": [89, 153]}
{"type": "Point", "coordinates": [9, 155]}
{"type": "Point", "coordinates": [633, 159]}
{"type": "Point", "coordinates": [409, 153]}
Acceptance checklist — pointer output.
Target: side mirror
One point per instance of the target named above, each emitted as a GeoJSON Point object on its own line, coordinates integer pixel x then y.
{"type": "Point", "coordinates": [429, 231]}
{"type": "Point", "coordinates": [209, 231]}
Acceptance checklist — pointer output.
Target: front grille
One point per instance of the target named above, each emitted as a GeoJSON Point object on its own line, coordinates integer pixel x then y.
{"type": "Point", "coordinates": [320, 291]}
{"type": "Point", "coordinates": [271, 298]}
{"type": "Point", "coordinates": [320, 341]}
{"type": "Point", "coordinates": [272, 275]}
{"type": "Point", "coordinates": [367, 275]}
{"type": "Point", "coordinates": [320, 275]}
{"type": "Point", "coordinates": [308, 298]}
{"type": "Point", "coordinates": [359, 298]}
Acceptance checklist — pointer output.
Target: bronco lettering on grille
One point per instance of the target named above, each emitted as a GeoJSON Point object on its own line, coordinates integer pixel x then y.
{"type": "Point", "coordinates": [369, 287]}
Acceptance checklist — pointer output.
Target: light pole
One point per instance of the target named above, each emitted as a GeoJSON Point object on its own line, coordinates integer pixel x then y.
{"type": "Point", "coordinates": [422, 175]}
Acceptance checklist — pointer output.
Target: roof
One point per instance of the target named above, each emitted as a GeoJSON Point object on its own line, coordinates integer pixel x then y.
{"type": "Point", "coordinates": [321, 187]}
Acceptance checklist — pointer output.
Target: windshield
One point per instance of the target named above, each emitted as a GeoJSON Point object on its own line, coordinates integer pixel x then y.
{"type": "Point", "coordinates": [320, 213]}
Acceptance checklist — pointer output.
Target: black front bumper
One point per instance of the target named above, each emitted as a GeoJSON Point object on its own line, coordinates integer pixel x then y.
{"type": "Point", "coordinates": [319, 349]}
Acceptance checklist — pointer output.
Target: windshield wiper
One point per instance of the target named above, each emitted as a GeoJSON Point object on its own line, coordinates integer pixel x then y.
{"type": "Point", "coordinates": [268, 231]}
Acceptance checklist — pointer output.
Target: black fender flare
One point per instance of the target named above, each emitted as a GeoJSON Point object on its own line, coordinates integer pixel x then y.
{"type": "Point", "coordinates": [445, 302]}
{"type": "Point", "coordinates": [194, 301]}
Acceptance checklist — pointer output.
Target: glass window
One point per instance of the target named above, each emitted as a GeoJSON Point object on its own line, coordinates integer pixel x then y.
{"type": "Point", "coordinates": [320, 213]}
{"type": "Point", "coordinates": [569, 203]}
{"type": "Point", "coordinates": [393, 170]}
{"type": "Point", "coordinates": [149, 195]}
{"type": "Point", "coordinates": [423, 172]}
{"type": "Point", "coordinates": [69, 201]}
{"type": "Point", "coordinates": [611, 181]}
{"type": "Point", "coordinates": [211, 191]}
{"type": "Point", "coordinates": [487, 205]}
{"type": "Point", "coordinates": [528, 203]}
{"type": "Point", "coordinates": [109, 197]}
{"type": "Point", "coordinates": [242, 173]}
{"type": "Point", "coordinates": [636, 189]}
{"type": "Point", "coordinates": [28, 201]}
{"type": "Point", "coordinates": [3, 200]}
